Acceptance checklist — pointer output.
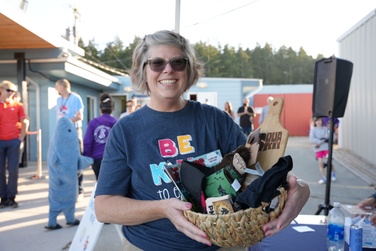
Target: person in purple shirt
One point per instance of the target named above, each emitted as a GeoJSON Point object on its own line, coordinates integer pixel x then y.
{"type": "Point", "coordinates": [98, 131]}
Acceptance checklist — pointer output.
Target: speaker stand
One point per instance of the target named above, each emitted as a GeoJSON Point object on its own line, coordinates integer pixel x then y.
{"type": "Point", "coordinates": [326, 206]}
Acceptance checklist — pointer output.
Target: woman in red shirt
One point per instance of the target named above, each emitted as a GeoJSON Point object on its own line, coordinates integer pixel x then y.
{"type": "Point", "coordinates": [12, 115]}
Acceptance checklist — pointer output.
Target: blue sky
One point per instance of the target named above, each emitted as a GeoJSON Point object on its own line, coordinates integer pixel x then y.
{"type": "Point", "coordinates": [314, 25]}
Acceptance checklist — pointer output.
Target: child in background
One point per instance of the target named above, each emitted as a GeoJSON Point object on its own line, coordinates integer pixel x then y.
{"type": "Point", "coordinates": [319, 136]}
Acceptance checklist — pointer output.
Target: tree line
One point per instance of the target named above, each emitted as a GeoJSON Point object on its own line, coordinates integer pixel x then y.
{"type": "Point", "coordinates": [275, 67]}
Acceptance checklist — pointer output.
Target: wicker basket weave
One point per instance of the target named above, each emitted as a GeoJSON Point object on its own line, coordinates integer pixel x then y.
{"type": "Point", "coordinates": [242, 228]}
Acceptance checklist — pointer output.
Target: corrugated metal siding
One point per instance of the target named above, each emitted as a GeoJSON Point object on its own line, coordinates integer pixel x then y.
{"type": "Point", "coordinates": [357, 128]}
{"type": "Point", "coordinates": [227, 89]}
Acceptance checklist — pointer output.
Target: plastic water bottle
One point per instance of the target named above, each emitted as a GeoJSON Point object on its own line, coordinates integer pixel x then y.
{"type": "Point", "coordinates": [336, 229]}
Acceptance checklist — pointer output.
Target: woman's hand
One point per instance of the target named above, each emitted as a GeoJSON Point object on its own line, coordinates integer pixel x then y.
{"type": "Point", "coordinates": [297, 195]}
{"type": "Point", "coordinates": [174, 212]}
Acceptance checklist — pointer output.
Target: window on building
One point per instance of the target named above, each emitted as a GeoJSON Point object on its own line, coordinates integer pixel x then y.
{"type": "Point", "coordinates": [91, 104]}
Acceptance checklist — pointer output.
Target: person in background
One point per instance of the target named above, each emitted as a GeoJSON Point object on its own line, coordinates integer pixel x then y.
{"type": "Point", "coordinates": [265, 110]}
{"type": "Point", "coordinates": [229, 109]}
{"type": "Point", "coordinates": [97, 132]}
{"type": "Point", "coordinates": [138, 106]}
{"type": "Point", "coordinates": [246, 115]}
{"type": "Point", "coordinates": [369, 203]}
{"type": "Point", "coordinates": [131, 107]}
{"type": "Point", "coordinates": [326, 122]}
{"type": "Point", "coordinates": [132, 189]}
{"type": "Point", "coordinates": [12, 132]}
{"type": "Point", "coordinates": [70, 104]}
{"type": "Point", "coordinates": [319, 136]}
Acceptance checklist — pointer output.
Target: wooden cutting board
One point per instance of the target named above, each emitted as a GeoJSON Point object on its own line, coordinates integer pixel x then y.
{"type": "Point", "coordinates": [268, 142]}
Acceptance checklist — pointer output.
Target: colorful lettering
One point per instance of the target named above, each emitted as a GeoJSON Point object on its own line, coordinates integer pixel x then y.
{"type": "Point", "coordinates": [167, 148]}
{"type": "Point", "coordinates": [184, 144]}
{"type": "Point", "coordinates": [158, 174]}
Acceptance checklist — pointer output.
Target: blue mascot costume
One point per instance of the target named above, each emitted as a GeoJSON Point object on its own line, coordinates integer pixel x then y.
{"type": "Point", "coordinates": [64, 160]}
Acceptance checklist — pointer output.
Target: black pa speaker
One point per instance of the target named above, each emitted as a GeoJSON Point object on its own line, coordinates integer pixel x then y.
{"type": "Point", "coordinates": [331, 87]}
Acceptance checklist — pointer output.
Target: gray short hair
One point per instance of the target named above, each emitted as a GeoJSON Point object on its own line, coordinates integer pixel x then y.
{"type": "Point", "coordinates": [269, 99]}
{"type": "Point", "coordinates": [64, 82]}
{"type": "Point", "coordinates": [140, 56]}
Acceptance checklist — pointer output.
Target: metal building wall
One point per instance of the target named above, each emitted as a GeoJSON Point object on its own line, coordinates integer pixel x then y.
{"type": "Point", "coordinates": [357, 128]}
{"type": "Point", "coordinates": [228, 89]}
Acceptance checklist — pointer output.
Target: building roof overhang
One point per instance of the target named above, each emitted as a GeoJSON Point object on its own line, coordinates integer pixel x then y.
{"type": "Point", "coordinates": [54, 57]}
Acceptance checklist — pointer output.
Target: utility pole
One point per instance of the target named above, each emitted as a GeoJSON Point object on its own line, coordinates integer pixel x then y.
{"type": "Point", "coordinates": [23, 5]}
{"type": "Point", "coordinates": [76, 33]}
{"type": "Point", "coordinates": [177, 16]}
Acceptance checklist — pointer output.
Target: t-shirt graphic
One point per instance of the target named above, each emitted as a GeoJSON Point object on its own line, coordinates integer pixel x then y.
{"type": "Point", "coordinates": [101, 134]}
{"type": "Point", "coordinates": [63, 110]}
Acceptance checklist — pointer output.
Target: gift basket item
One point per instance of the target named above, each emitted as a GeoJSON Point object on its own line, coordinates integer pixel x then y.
{"type": "Point", "coordinates": [244, 227]}
{"type": "Point", "coordinates": [241, 228]}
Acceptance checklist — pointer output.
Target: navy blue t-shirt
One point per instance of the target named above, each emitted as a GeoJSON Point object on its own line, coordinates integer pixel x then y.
{"type": "Point", "coordinates": [137, 149]}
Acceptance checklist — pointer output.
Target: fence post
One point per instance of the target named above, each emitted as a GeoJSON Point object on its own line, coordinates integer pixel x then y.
{"type": "Point", "coordinates": [39, 174]}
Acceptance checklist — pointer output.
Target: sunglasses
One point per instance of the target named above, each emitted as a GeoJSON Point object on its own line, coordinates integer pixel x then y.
{"type": "Point", "coordinates": [10, 90]}
{"type": "Point", "coordinates": [159, 64]}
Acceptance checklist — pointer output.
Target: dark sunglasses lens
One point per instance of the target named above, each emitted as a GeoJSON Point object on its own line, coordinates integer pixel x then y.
{"type": "Point", "coordinates": [178, 64]}
{"type": "Point", "coordinates": [157, 64]}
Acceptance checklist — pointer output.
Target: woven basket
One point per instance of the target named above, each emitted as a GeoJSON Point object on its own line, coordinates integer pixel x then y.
{"type": "Point", "coordinates": [242, 228]}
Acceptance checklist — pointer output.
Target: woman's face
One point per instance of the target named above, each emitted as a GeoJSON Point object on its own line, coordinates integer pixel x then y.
{"type": "Point", "coordinates": [167, 85]}
{"type": "Point", "coordinates": [6, 93]}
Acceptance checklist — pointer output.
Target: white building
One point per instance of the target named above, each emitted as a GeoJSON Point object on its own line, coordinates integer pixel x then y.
{"type": "Point", "coordinates": [357, 127]}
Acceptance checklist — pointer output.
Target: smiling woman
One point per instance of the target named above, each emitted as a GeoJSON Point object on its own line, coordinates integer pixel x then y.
{"type": "Point", "coordinates": [169, 129]}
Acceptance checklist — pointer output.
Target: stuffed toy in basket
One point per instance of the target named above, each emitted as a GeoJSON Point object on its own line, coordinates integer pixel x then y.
{"type": "Point", "coordinates": [243, 228]}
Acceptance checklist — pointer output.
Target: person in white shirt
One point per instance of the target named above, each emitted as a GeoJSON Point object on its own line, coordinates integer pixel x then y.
{"type": "Point", "coordinates": [265, 110]}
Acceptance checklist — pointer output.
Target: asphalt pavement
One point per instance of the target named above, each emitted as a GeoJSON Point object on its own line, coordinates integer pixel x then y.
{"type": "Point", "coordinates": [22, 228]}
